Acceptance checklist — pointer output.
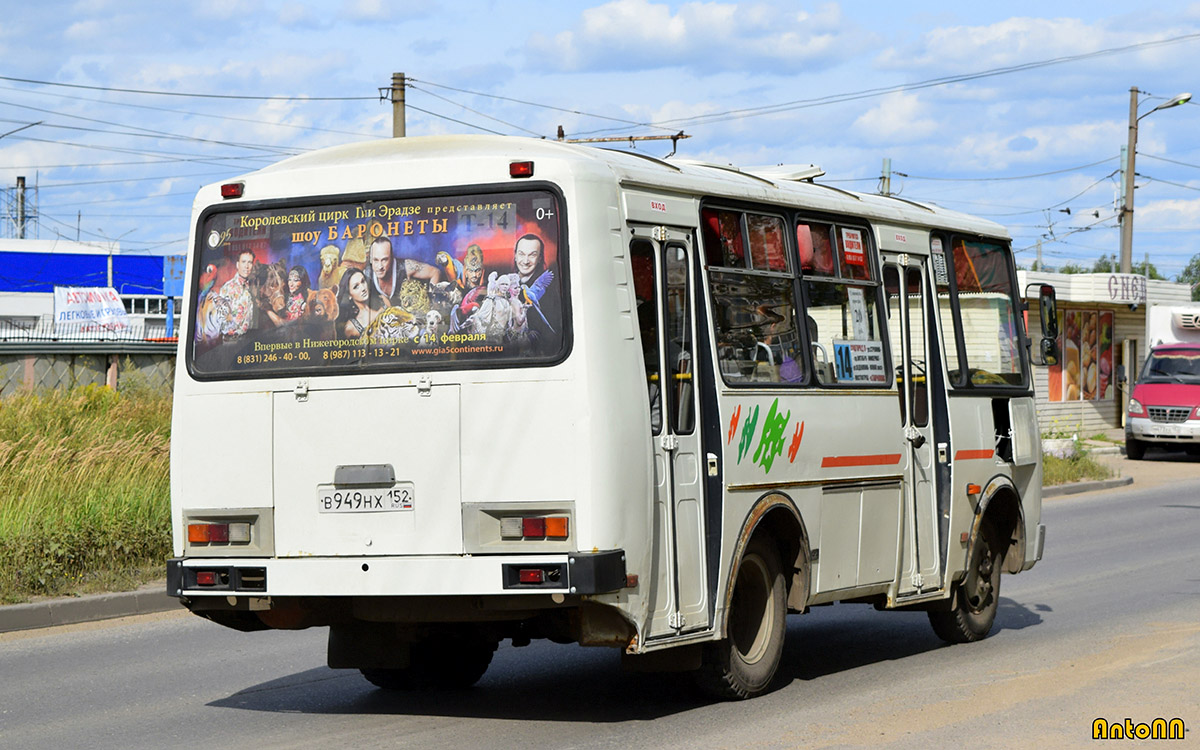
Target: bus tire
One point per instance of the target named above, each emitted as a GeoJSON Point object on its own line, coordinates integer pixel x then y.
{"type": "Point", "coordinates": [743, 664]}
{"type": "Point", "coordinates": [978, 596]}
{"type": "Point", "coordinates": [1135, 450]}
{"type": "Point", "coordinates": [455, 660]}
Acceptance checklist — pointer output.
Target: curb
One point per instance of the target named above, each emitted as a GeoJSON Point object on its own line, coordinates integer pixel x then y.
{"type": "Point", "coordinates": [90, 608]}
{"type": "Point", "coordinates": [1077, 487]}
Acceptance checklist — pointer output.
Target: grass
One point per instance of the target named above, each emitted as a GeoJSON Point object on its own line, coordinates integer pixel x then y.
{"type": "Point", "coordinates": [1079, 468]}
{"type": "Point", "coordinates": [84, 490]}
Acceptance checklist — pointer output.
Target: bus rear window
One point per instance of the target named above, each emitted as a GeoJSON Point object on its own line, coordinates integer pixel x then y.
{"type": "Point", "coordinates": [404, 283]}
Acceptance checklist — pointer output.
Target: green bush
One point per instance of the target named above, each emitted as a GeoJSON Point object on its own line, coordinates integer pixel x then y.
{"type": "Point", "coordinates": [1079, 468]}
{"type": "Point", "coordinates": [84, 490]}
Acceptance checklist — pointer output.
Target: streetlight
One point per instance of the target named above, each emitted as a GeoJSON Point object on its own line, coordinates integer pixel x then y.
{"type": "Point", "coordinates": [111, 244]}
{"type": "Point", "coordinates": [1130, 152]}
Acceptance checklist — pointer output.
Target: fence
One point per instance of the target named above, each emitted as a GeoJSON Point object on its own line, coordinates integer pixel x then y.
{"type": "Point", "coordinates": [39, 356]}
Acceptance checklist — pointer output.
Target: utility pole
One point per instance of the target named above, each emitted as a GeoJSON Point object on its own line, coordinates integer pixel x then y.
{"type": "Point", "coordinates": [20, 208]}
{"type": "Point", "coordinates": [398, 105]}
{"type": "Point", "coordinates": [1130, 174]}
{"type": "Point", "coordinates": [1127, 205]}
{"type": "Point", "coordinates": [885, 179]}
{"type": "Point", "coordinates": [1039, 254]}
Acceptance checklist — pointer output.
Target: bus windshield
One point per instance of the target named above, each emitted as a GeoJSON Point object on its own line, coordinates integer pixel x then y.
{"type": "Point", "coordinates": [379, 284]}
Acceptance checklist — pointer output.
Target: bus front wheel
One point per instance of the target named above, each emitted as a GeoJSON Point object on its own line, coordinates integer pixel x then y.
{"type": "Point", "coordinates": [978, 596]}
{"type": "Point", "coordinates": [743, 664]}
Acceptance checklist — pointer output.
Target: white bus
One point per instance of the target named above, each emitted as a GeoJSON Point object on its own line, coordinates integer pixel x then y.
{"type": "Point", "coordinates": [436, 393]}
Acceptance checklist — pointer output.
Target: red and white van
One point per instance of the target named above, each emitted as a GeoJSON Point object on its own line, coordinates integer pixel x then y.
{"type": "Point", "coordinates": [1164, 408]}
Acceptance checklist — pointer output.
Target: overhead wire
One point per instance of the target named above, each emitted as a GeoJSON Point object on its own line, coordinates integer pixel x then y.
{"type": "Point", "coordinates": [256, 121]}
{"type": "Point", "coordinates": [143, 132]}
{"type": "Point", "coordinates": [151, 92]}
{"type": "Point", "coordinates": [475, 111]}
{"type": "Point", "coordinates": [929, 83]}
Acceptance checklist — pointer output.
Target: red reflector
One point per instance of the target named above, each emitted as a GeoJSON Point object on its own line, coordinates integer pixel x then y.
{"type": "Point", "coordinates": [533, 527]}
{"type": "Point", "coordinates": [520, 169]}
{"type": "Point", "coordinates": [218, 532]}
{"type": "Point", "coordinates": [206, 578]}
{"type": "Point", "coordinates": [232, 189]}
{"type": "Point", "coordinates": [531, 575]}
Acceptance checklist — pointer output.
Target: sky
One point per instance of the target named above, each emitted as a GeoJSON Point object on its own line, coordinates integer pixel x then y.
{"type": "Point", "coordinates": [118, 111]}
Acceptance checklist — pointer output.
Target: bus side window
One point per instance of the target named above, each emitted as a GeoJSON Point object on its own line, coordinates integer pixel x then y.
{"type": "Point", "coordinates": [645, 290]}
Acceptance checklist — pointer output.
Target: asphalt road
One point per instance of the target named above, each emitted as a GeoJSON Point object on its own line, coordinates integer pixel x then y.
{"type": "Point", "coordinates": [1108, 625]}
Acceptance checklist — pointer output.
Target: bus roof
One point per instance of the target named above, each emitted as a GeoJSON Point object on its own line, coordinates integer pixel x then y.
{"type": "Point", "coordinates": [777, 185]}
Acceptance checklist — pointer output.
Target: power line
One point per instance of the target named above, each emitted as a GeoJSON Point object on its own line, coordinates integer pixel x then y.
{"type": "Point", "coordinates": [256, 121]}
{"type": "Point", "coordinates": [451, 119]}
{"type": "Point", "coordinates": [1007, 179]}
{"type": "Point", "coordinates": [735, 114]}
{"type": "Point", "coordinates": [481, 114]}
{"type": "Point", "coordinates": [144, 132]}
{"type": "Point", "coordinates": [1172, 161]}
{"type": "Point", "coordinates": [546, 106]}
{"type": "Point", "coordinates": [1168, 182]}
{"type": "Point", "coordinates": [303, 97]}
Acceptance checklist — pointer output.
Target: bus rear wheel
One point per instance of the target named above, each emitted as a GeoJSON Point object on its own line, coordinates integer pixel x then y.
{"type": "Point", "coordinates": [978, 596]}
{"type": "Point", "coordinates": [743, 664]}
{"type": "Point", "coordinates": [452, 660]}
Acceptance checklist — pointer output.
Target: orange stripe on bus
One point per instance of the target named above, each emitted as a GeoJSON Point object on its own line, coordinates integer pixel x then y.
{"type": "Point", "coordinates": [967, 455]}
{"type": "Point", "coordinates": [887, 459]}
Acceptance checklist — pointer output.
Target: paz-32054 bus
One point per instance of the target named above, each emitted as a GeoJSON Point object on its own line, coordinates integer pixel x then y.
{"type": "Point", "coordinates": [436, 393]}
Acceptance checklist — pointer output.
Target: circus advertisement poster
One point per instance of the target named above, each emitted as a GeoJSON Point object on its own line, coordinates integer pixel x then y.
{"type": "Point", "coordinates": [447, 281]}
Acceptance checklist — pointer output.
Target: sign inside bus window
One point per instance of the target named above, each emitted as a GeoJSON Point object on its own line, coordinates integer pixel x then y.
{"type": "Point", "coordinates": [852, 242]}
{"type": "Point", "coordinates": [468, 280]}
{"type": "Point", "coordinates": [859, 362]}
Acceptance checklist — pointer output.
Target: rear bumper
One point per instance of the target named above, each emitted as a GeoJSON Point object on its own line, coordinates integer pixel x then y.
{"type": "Point", "coordinates": [578, 573]}
{"type": "Point", "coordinates": [1149, 431]}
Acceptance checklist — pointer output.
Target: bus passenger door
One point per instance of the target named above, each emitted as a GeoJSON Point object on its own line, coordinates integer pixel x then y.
{"type": "Point", "coordinates": [665, 289]}
{"type": "Point", "coordinates": [908, 325]}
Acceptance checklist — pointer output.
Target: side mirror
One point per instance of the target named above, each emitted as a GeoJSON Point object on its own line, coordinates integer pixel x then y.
{"type": "Point", "coordinates": [1048, 310]}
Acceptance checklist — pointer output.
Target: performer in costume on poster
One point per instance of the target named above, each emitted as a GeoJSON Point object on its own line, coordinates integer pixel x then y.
{"type": "Point", "coordinates": [238, 299]}
{"type": "Point", "coordinates": [538, 288]}
{"type": "Point", "coordinates": [387, 274]}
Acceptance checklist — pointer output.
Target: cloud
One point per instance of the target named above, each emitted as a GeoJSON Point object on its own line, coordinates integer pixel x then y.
{"type": "Point", "coordinates": [1168, 214]}
{"type": "Point", "coordinates": [703, 36]}
{"type": "Point", "coordinates": [1009, 42]}
{"type": "Point", "coordinates": [1039, 145]}
{"type": "Point", "coordinates": [898, 117]}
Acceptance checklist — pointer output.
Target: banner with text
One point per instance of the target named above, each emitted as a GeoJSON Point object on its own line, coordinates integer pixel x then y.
{"type": "Point", "coordinates": [88, 309]}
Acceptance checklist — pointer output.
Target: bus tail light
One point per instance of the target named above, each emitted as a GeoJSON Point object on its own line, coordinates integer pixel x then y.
{"type": "Point", "coordinates": [206, 578]}
{"type": "Point", "coordinates": [556, 527]}
{"type": "Point", "coordinates": [237, 532]}
{"type": "Point", "coordinates": [530, 575]}
{"type": "Point", "coordinates": [534, 527]}
{"type": "Point", "coordinates": [233, 189]}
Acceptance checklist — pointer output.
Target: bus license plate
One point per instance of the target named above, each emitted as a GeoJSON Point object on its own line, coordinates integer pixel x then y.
{"type": "Point", "coordinates": [365, 499]}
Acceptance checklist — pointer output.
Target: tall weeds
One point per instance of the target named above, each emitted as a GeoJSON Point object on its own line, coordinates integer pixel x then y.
{"type": "Point", "coordinates": [84, 489]}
